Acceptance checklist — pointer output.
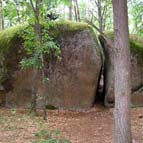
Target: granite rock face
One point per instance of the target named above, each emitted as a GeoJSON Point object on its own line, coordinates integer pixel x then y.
{"type": "Point", "coordinates": [73, 80]}
{"type": "Point", "coordinates": [137, 80]}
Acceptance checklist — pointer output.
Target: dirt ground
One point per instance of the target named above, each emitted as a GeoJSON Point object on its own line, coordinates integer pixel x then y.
{"type": "Point", "coordinates": [93, 126]}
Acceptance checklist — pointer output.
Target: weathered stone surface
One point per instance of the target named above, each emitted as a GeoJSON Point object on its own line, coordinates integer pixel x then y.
{"type": "Point", "coordinates": [72, 81]}
{"type": "Point", "coordinates": [75, 78]}
{"type": "Point", "coordinates": [20, 94]}
{"type": "Point", "coordinates": [136, 72]}
{"type": "Point", "coordinates": [137, 80]}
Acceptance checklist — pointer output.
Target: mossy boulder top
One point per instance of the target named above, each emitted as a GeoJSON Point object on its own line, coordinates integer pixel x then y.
{"type": "Point", "coordinates": [136, 45]}
{"type": "Point", "coordinates": [72, 80]}
{"type": "Point", "coordinates": [9, 36]}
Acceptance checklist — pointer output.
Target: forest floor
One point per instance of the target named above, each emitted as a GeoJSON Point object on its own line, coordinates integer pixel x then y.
{"type": "Point", "coordinates": [93, 126]}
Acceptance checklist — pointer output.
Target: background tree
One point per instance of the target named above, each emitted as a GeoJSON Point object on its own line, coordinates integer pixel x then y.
{"type": "Point", "coordinates": [12, 12]}
{"type": "Point", "coordinates": [122, 73]}
{"type": "Point", "coordinates": [70, 10]}
{"type": "Point", "coordinates": [100, 14]}
{"type": "Point", "coordinates": [1, 16]}
{"type": "Point", "coordinates": [136, 20]}
{"type": "Point", "coordinates": [76, 10]}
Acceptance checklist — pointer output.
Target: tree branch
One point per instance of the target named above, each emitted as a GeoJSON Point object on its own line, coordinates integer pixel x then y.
{"type": "Point", "coordinates": [32, 5]}
{"type": "Point", "coordinates": [95, 27]}
{"type": "Point", "coordinates": [104, 10]}
{"type": "Point", "coordinates": [109, 41]}
{"type": "Point", "coordinates": [96, 2]}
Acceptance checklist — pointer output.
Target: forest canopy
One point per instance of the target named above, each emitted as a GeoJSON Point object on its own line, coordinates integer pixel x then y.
{"type": "Point", "coordinates": [13, 12]}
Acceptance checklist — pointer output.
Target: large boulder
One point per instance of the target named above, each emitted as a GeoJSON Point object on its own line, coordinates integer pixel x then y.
{"type": "Point", "coordinates": [136, 70]}
{"type": "Point", "coordinates": [72, 80]}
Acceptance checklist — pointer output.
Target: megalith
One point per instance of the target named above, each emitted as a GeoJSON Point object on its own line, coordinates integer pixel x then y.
{"type": "Point", "coordinates": [72, 80]}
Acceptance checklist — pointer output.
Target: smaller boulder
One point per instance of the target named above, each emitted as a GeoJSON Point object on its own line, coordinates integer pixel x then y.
{"type": "Point", "coordinates": [136, 70]}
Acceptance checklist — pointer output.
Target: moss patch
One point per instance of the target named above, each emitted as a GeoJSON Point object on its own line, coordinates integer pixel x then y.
{"type": "Point", "coordinates": [62, 28]}
{"type": "Point", "coordinates": [58, 29]}
{"type": "Point", "coordinates": [136, 44]}
{"type": "Point", "coordinates": [8, 37]}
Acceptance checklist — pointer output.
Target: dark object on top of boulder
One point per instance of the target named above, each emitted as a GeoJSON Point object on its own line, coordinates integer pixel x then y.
{"type": "Point", "coordinates": [52, 16]}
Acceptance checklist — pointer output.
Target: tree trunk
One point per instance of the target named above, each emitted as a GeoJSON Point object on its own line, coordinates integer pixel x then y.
{"type": "Point", "coordinates": [43, 83]}
{"type": "Point", "coordinates": [78, 14]}
{"type": "Point", "coordinates": [70, 10]}
{"type": "Point", "coordinates": [75, 12]}
{"type": "Point", "coordinates": [100, 15]}
{"type": "Point", "coordinates": [1, 16]}
{"type": "Point", "coordinates": [37, 32]}
{"type": "Point", "coordinates": [122, 73]}
{"type": "Point", "coordinates": [44, 89]}
{"type": "Point", "coordinates": [34, 92]}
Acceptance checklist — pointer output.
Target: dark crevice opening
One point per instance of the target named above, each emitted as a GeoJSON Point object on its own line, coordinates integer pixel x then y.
{"type": "Point", "coordinates": [101, 87]}
{"type": "Point", "coordinates": [100, 94]}
{"type": "Point", "coordinates": [104, 75]}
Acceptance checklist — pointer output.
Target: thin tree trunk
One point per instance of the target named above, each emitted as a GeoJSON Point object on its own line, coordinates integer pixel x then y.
{"type": "Point", "coordinates": [44, 84]}
{"type": "Point", "coordinates": [35, 72]}
{"type": "Point", "coordinates": [75, 12]}
{"type": "Point", "coordinates": [44, 89]}
{"type": "Point", "coordinates": [1, 16]}
{"type": "Point", "coordinates": [100, 15]}
{"type": "Point", "coordinates": [122, 73]}
{"type": "Point", "coordinates": [34, 92]}
{"type": "Point", "coordinates": [38, 34]}
{"type": "Point", "coordinates": [70, 10]}
{"type": "Point", "coordinates": [78, 13]}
